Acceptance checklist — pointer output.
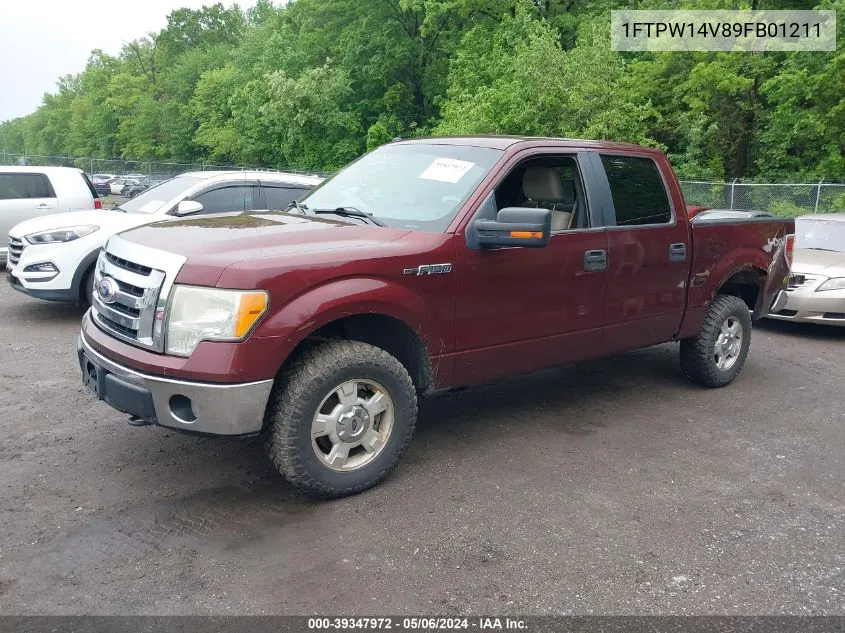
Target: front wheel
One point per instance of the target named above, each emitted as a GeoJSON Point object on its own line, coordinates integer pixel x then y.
{"type": "Point", "coordinates": [340, 418]}
{"type": "Point", "coordinates": [88, 287]}
{"type": "Point", "coordinates": [715, 356]}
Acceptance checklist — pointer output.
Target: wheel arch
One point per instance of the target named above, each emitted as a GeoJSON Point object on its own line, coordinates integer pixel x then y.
{"type": "Point", "coordinates": [85, 266]}
{"type": "Point", "coordinates": [386, 332]}
{"type": "Point", "coordinates": [747, 283]}
{"type": "Point", "coordinates": [371, 311]}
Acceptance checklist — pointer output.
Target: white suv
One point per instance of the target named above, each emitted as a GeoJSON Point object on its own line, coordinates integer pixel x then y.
{"type": "Point", "coordinates": [53, 258]}
{"type": "Point", "coordinates": [33, 192]}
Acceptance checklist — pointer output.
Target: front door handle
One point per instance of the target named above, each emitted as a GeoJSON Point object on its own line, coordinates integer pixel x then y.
{"type": "Point", "coordinates": [595, 261]}
{"type": "Point", "coordinates": [677, 252]}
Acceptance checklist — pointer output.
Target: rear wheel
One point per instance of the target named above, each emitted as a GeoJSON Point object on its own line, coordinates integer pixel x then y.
{"type": "Point", "coordinates": [340, 418]}
{"type": "Point", "coordinates": [715, 356]}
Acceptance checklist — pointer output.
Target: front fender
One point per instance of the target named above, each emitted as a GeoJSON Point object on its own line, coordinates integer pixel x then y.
{"type": "Point", "coordinates": [288, 325]}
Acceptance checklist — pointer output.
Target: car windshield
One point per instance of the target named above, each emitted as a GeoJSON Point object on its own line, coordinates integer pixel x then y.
{"type": "Point", "coordinates": [154, 198]}
{"type": "Point", "coordinates": [820, 234]}
{"type": "Point", "coordinates": [414, 185]}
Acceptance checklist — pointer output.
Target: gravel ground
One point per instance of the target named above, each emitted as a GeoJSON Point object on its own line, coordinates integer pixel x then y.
{"type": "Point", "coordinates": [613, 487]}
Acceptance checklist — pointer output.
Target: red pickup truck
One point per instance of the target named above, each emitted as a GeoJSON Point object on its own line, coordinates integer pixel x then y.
{"type": "Point", "coordinates": [426, 265]}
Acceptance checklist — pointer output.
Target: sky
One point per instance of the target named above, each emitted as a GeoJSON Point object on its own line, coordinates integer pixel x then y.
{"type": "Point", "coordinates": [42, 40]}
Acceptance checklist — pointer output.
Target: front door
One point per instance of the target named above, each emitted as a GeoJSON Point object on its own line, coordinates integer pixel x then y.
{"type": "Point", "coordinates": [520, 309]}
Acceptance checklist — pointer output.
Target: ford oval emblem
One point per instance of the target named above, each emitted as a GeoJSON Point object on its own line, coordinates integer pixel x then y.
{"type": "Point", "coordinates": [107, 289]}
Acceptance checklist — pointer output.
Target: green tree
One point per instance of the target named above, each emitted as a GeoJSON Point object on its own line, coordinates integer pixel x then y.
{"type": "Point", "coordinates": [519, 80]}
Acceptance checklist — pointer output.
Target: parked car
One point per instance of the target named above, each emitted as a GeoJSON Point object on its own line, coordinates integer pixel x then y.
{"type": "Point", "coordinates": [102, 178]}
{"type": "Point", "coordinates": [117, 185]}
{"type": "Point", "coordinates": [816, 290]}
{"type": "Point", "coordinates": [132, 190]}
{"type": "Point", "coordinates": [426, 265]}
{"type": "Point", "coordinates": [103, 188]}
{"type": "Point", "coordinates": [35, 192]}
{"type": "Point", "coordinates": [54, 257]}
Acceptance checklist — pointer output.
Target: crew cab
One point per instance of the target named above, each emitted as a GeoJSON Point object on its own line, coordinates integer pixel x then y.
{"type": "Point", "coordinates": [426, 265]}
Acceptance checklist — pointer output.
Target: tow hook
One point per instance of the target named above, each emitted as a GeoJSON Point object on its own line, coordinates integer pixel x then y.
{"type": "Point", "coordinates": [136, 421]}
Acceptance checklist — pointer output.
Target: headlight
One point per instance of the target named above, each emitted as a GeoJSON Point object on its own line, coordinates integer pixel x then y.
{"type": "Point", "coordinates": [61, 235]}
{"type": "Point", "coordinates": [838, 283]}
{"type": "Point", "coordinates": [211, 314]}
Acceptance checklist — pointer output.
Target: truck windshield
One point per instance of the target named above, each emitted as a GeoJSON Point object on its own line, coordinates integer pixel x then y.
{"type": "Point", "coordinates": [819, 234]}
{"type": "Point", "coordinates": [414, 185]}
{"type": "Point", "coordinates": [157, 196]}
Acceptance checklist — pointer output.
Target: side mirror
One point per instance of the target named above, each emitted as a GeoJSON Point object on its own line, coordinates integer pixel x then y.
{"type": "Point", "coordinates": [188, 207]}
{"type": "Point", "coordinates": [514, 226]}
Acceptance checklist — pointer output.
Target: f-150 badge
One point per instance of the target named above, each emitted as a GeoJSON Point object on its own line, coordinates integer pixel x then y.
{"type": "Point", "coordinates": [429, 269]}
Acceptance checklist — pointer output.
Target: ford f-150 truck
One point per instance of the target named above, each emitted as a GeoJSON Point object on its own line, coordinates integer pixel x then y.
{"type": "Point", "coordinates": [426, 265]}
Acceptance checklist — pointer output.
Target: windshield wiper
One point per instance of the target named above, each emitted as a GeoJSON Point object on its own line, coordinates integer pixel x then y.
{"type": "Point", "coordinates": [296, 204]}
{"type": "Point", "coordinates": [350, 212]}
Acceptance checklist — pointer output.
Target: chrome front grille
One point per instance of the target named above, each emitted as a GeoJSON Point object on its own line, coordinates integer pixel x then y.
{"type": "Point", "coordinates": [16, 247]}
{"type": "Point", "coordinates": [135, 311]}
{"type": "Point", "coordinates": [130, 266]}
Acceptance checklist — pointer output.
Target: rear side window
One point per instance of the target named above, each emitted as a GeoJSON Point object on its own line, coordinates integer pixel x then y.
{"type": "Point", "coordinates": [19, 186]}
{"type": "Point", "coordinates": [279, 198]}
{"type": "Point", "coordinates": [639, 196]}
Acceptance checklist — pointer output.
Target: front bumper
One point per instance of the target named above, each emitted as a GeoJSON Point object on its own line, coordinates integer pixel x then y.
{"type": "Point", "coordinates": [195, 407]}
{"type": "Point", "coordinates": [69, 294]}
{"type": "Point", "coordinates": [806, 305]}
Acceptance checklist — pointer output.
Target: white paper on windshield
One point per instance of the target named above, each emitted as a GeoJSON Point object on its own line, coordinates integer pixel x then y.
{"type": "Point", "coordinates": [447, 170]}
{"type": "Point", "coordinates": [152, 205]}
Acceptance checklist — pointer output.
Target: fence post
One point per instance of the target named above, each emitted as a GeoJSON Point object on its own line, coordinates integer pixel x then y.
{"type": "Point", "coordinates": [818, 194]}
{"type": "Point", "coordinates": [732, 194]}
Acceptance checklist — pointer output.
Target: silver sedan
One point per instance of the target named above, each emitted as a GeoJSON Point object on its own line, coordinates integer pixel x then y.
{"type": "Point", "coordinates": [816, 291]}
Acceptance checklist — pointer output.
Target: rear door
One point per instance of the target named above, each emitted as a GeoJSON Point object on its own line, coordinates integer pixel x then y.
{"type": "Point", "coordinates": [24, 196]}
{"type": "Point", "coordinates": [648, 254]}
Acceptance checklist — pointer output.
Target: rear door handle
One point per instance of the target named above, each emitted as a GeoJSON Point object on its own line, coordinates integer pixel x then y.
{"type": "Point", "coordinates": [677, 252]}
{"type": "Point", "coordinates": [595, 261]}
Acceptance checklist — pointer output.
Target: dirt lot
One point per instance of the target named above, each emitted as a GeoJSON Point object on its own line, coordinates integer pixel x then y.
{"type": "Point", "coordinates": [611, 487]}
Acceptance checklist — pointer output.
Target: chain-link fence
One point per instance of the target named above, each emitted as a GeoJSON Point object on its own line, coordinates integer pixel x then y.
{"type": "Point", "coordinates": [787, 200]}
{"type": "Point", "coordinates": [136, 168]}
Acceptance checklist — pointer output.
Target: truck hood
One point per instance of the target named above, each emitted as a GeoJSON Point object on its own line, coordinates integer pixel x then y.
{"type": "Point", "coordinates": [815, 262]}
{"type": "Point", "coordinates": [213, 243]}
{"type": "Point", "coordinates": [108, 221]}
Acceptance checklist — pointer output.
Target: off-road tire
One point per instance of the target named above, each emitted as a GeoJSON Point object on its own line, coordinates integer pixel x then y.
{"type": "Point", "coordinates": [697, 353]}
{"type": "Point", "coordinates": [298, 393]}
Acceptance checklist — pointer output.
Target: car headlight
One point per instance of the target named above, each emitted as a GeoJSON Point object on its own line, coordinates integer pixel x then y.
{"type": "Point", "coordinates": [61, 235]}
{"type": "Point", "coordinates": [211, 314]}
{"type": "Point", "coordinates": [837, 283]}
